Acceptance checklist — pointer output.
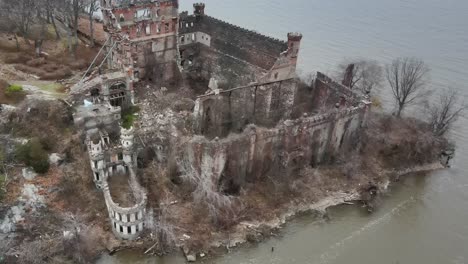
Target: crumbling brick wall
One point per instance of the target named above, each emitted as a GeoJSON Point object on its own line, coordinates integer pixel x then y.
{"type": "Point", "coordinates": [283, 150]}
{"type": "Point", "coordinates": [328, 94]}
{"type": "Point", "coordinates": [217, 115]}
{"type": "Point", "coordinates": [143, 37]}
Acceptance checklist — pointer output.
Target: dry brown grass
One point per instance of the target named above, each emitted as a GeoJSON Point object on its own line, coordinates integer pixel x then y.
{"type": "Point", "coordinates": [58, 74]}
{"type": "Point", "coordinates": [36, 62]}
{"type": "Point", "coordinates": [17, 58]}
{"type": "Point", "coordinates": [46, 71]}
{"type": "Point", "coordinates": [56, 63]}
{"type": "Point", "coordinates": [7, 44]}
{"type": "Point", "coordinates": [401, 142]}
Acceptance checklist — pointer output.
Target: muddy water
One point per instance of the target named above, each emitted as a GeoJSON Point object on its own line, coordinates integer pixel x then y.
{"type": "Point", "coordinates": [423, 219]}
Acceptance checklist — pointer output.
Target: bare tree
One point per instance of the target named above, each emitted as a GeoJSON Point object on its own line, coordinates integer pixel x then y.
{"type": "Point", "coordinates": [362, 74]}
{"type": "Point", "coordinates": [80, 241]}
{"type": "Point", "coordinates": [162, 228]}
{"type": "Point", "coordinates": [407, 78]}
{"type": "Point", "coordinates": [91, 7]}
{"type": "Point", "coordinates": [51, 10]}
{"type": "Point", "coordinates": [6, 25]}
{"type": "Point", "coordinates": [205, 181]}
{"type": "Point", "coordinates": [39, 29]}
{"type": "Point", "coordinates": [70, 12]}
{"type": "Point", "coordinates": [19, 13]}
{"type": "Point", "coordinates": [444, 112]}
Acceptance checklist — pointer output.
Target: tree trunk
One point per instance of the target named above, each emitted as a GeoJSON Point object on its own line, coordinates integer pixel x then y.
{"type": "Point", "coordinates": [48, 15]}
{"type": "Point", "coordinates": [400, 109]}
{"type": "Point", "coordinates": [91, 29]}
{"type": "Point", "coordinates": [57, 34]}
{"type": "Point", "coordinates": [17, 42]}
{"type": "Point", "coordinates": [38, 47]}
{"type": "Point", "coordinates": [75, 34]}
{"type": "Point", "coordinates": [69, 36]}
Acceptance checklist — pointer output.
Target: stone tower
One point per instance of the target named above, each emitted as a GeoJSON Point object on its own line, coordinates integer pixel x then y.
{"type": "Point", "coordinates": [126, 140]}
{"type": "Point", "coordinates": [294, 45]}
{"type": "Point", "coordinates": [199, 9]}
{"type": "Point", "coordinates": [98, 165]}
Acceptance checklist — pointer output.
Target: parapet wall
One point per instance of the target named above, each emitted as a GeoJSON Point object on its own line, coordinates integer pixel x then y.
{"type": "Point", "coordinates": [244, 44]}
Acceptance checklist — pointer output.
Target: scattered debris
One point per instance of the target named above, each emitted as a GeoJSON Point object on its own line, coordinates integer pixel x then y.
{"type": "Point", "coordinates": [55, 159]}
{"type": "Point", "coordinates": [29, 174]}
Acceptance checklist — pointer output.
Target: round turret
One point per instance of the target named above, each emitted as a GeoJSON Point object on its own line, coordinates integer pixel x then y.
{"type": "Point", "coordinates": [95, 149]}
{"type": "Point", "coordinates": [294, 44]}
{"type": "Point", "coordinates": [126, 138]}
{"type": "Point", "coordinates": [294, 36]}
{"type": "Point", "coordinates": [199, 9]}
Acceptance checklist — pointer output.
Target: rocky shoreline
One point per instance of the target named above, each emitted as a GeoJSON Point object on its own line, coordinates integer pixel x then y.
{"type": "Point", "coordinates": [257, 231]}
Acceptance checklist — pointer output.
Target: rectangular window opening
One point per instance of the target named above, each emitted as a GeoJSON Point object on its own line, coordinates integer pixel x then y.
{"type": "Point", "coordinates": [143, 13]}
{"type": "Point", "coordinates": [148, 29]}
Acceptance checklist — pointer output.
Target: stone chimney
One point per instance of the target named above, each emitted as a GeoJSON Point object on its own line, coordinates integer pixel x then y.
{"type": "Point", "coordinates": [199, 9]}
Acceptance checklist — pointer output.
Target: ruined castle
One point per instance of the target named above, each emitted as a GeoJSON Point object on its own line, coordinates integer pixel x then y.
{"type": "Point", "coordinates": [253, 115]}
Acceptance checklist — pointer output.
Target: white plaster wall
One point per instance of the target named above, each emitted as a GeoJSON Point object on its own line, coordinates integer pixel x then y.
{"type": "Point", "coordinates": [196, 37]}
{"type": "Point", "coordinates": [203, 38]}
{"type": "Point", "coordinates": [128, 158]}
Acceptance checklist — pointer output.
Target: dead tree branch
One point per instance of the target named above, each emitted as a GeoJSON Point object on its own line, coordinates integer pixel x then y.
{"type": "Point", "coordinates": [443, 113]}
{"type": "Point", "coordinates": [407, 78]}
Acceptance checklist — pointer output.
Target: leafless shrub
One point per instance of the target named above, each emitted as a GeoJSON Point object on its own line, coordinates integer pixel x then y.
{"type": "Point", "coordinates": [83, 243]}
{"type": "Point", "coordinates": [36, 62]}
{"type": "Point", "coordinates": [443, 113]}
{"type": "Point", "coordinates": [164, 230]}
{"type": "Point", "coordinates": [31, 70]}
{"type": "Point", "coordinates": [205, 181]}
{"type": "Point", "coordinates": [400, 142]}
{"type": "Point", "coordinates": [33, 253]}
{"type": "Point", "coordinates": [61, 73]}
{"type": "Point", "coordinates": [407, 78]}
{"type": "Point", "coordinates": [17, 58]}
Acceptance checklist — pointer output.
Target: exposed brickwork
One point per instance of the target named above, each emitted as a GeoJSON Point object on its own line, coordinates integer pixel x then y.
{"type": "Point", "coordinates": [231, 110]}
{"type": "Point", "coordinates": [143, 36]}
{"type": "Point", "coordinates": [282, 150]}
{"type": "Point", "coordinates": [328, 93]}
